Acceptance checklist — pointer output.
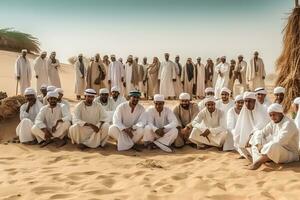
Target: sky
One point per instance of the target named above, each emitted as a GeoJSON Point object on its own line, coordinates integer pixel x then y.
{"type": "Point", "coordinates": [189, 28]}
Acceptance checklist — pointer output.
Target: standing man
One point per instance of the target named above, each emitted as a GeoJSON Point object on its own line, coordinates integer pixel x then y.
{"type": "Point", "coordinates": [188, 77]}
{"type": "Point", "coordinates": [261, 95]}
{"type": "Point", "coordinates": [240, 74]}
{"type": "Point", "coordinates": [222, 70]}
{"type": "Point", "coordinates": [23, 71]}
{"type": "Point", "coordinates": [117, 99]}
{"type": "Point", "coordinates": [80, 72]}
{"type": "Point", "coordinates": [143, 83]}
{"type": "Point", "coordinates": [177, 84]}
{"type": "Point", "coordinates": [200, 79]}
{"type": "Point", "coordinates": [209, 73]}
{"type": "Point", "coordinates": [41, 71]}
{"type": "Point", "coordinates": [115, 73]}
{"type": "Point", "coordinates": [225, 103]}
{"type": "Point", "coordinates": [256, 73]}
{"type": "Point", "coordinates": [96, 74]}
{"type": "Point", "coordinates": [106, 63]}
{"type": "Point", "coordinates": [53, 65]}
{"type": "Point", "coordinates": [166, 77]}
{"type": "Point", "coordinates": [131, 75]}
{"type": "Point", "coordinates": [152, 77]}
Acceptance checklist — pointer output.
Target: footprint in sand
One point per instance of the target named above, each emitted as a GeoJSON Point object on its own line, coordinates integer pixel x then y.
{"type": "Point", "coordinates": [109, 182]}
{"type": "Point", "coordinates": [44, 190]}
{"type": "Point", "coordinates": [60, 196]}
{"type": "Point", "coordinates": [102, 191]}
{"type": "Point", "coordinates": [267, 194]}
{"type": "Point", "coordinates": [179, 176]}
{"type": "Point", "coordinates": [183, 160]}
{"type": "Point", "coordinates": [168, 188]}
{"type": "Point", "coordinates": [7, 158]}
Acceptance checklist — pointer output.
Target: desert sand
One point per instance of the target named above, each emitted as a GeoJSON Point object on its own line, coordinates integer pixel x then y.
{"type": "Point", "coordinates": [29, 172]}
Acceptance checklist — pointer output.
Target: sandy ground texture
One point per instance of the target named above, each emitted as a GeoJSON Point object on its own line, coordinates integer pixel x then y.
{"type": "Point", "coordinates": [29, 172]}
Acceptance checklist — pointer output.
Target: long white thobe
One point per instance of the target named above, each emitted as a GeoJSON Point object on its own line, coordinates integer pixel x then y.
{"type": "Point", "coordinates": [166, 73]}
{"type": "Point", "coordinates": [231, 119]}
{"type": "Point", "coordinates": [80, 78]}
{"type": "Point", "coordinates": [23, 130]}
{"type": "Point", "coordinates": [41, 71]}
{"type": "Point", "coordinates": [23, 70]}
{"type": "Point", "coordinates": [53, 73]}
{"type": "Point", "coordinates": [115, 73]}
{"type": "Point", "coordinates": [124, 118]}
{"type": "Point", "coordinates": [255, 78]}
{"type": "Point", "coordinates": [211, 121]}
{"type": "Point", "coordinates": [155, 120]}
{"type": "Point", "coordinates": [200, 80]}
{"type": "Point", "coordinates": [224, 108]}
{"type": "Point", "coordinates": [108, 107]}
{"type": "Point", "coordinates": [280, 142]}
{"type": "Point", "coordinates": [128, 78]}
{"type": "Point", "coordinates": [47, 118]}
{"type": "Point", "coordinates": [222, 80]}
{"type": "Point", "coordinates": [142, 87]}
{"type": "Point", "coordinates": [94, 114]}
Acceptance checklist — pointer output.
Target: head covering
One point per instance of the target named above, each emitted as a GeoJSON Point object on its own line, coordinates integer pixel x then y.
{"type": "Point", "coordinates": [115, 89]}
{"type": "Point", "coordinates": [260, 90]}
{"type": "Point", "coordinates": [59, 91]}
{"type": "Point", "coordinates": [275, 107]}
{"type": "Point", "coordinates": [297, 101]}
{"type": "Point", "coordinates": [43, 53]}
{"type": "Point", "coordinates": [240, 56]}
{"type": "Point", "coordinates": [50, 88]}
{"type": "Point", "coordinates": [120, 59]}
{"type": "Point", "coordinates": [113, 55]}
{"type": "Point", "coordinates": [130, 56]}
{"type": "Point", "coordinates": [134, 93]}
{"type": "Point", "coordinates": [209, 89]}
{"type": "Point", "coordinates": [159, 97]}
{"type": "Point", "coordinates": [53, 53]}
{"type": "Point", "coordinates": [224, 57]}
{"type": "Point", "coordinates": [24, 50]}
{"type": "Point", "coordinates": [198, 58]}
{"type": "Point", "coordinates": [90, 92]}
{"type": "Point", "coordinates": [238, 98]}
{"type": "Point", "coordinates": [279, 90]}
{"type": "Point", "coordinates": [43, 86]}
{"type": "Point", "coordinates": [209, 99]}
{"type": "Point", "coordinates": [249, 95]}
{"type": "Point", "coordinates": [184, 96]}
{"type": "Point", "coordinates": [103, 91]}
{"type": "Point", "coordinates": [29, 91]}
{"type": "Point", "coordinates": [52, 94]}
{"type": "Point", "coordinates": [225, 89]}
{"type": "Point", "coordinates": [80, 55]}
{"type": "Point", "coordinates": [167, 54]}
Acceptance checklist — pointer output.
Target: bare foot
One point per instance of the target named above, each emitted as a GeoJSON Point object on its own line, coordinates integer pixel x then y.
{"type": "Point", "coordinates": [46, 142]}
{"type": "Point", "coordinates": [61, 142]}
{"type": "Point", "coordinates": [255, 166]}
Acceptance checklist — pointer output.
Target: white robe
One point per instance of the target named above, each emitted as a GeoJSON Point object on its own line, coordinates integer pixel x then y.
{"type": "Point", "coordinates": [115, 73]}
{"type": "Point", "coordinates": [80, 79]}
{"type": "Point", "coordinates": [53, 73]}
{"type": "Point", "coordinates": [23, 70]}
{"type": "Point", "coordinates": [23, 130]}
{"type": "Point", "coordinates": [221, 81]}
{"type": "Point", "coordinates": [280, 142]}
{"type": "Point", "coordinates": [108, 107]}
{"type": "Point", "coordinates": [212, 121]}
{"type": "Point", "coordinates": [237, 87]}
{"type": "Point", "coordinates": [128, 77]}
{"type": "Point", "coordinates": [231, 119]}
{"type": "Point", "coordinates": [224, 108]}
{"type": "Point", "coordinates": [255, 78]}
{"type": "Point", "coordinates": [117, 102]}
{"type": "Point", "coordinates": [124, 118]}
{"type": "Point", "coordinates": [41, 70]}
{"type": "Point", "coordinates": [142, 87]}
{"type": "Point", "coordinates": [200, 80]}
{"type": "Point", "coordinates": [166, 73]}
{"type": "Point", "coordinates": [80, 134]}
{"type": "Point", "coordinates": [167, 120]}
{"type": "Point", "coordinates": [47, 118]}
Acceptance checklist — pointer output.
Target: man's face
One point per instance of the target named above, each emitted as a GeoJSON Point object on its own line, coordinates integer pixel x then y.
{"type": "Point", "coordinates": [210, 94]}
{"type": "Point", "coordinates": [104, 97]}
{"type": "Point", "coordinates": [199, 60]}
{"type": "Point", "coordinates": [30, 98]}
{"type": "Point", "coordinates": [115, 94]}
{"type": "Point", "coordinates": [185, 104]}
{"type": "Point", "coordinates": [177, 59]}
{"type": "Point", "coordinates": [44, 91]}
{"type": "Point", "coordinates": [225, 96]}
{"type": "Point", "coordinates": [239, 104]}
{"type": "Point", "coordinates": [134, 100]}
{"type": "Point", "coordinates": [43, 55]}
{"type": "Point", "coordinates": [250, 104]}
{"type": "Point", "coordinates": [80, 58]}
{"type": "Point", "coordinates": [113, 58]}
{"type": "Point", "coordinates": [261, 97]}
{"type": "Point", "coordinates": [52, 101]}
{"type": "Point", "coordinates": [129, 60]}
{"type": "Point", "coordinates": [279, 98]}
{"type": "Point", "coordinates": [145, 60]}
{"type": "Point", "coordinates": [89, 99]}
{"type": "Point", "coordinates": [167, 57]}
{"type": "Point", "coordinates": [189, 61]}
{"type": "Point", "coordinates": [53, 55]}
{"type": "Point", "coordinates": [223, 60]}
{"type": "Point", "coordinates": [255, 55]}
{"type": "Point", "coordinates": [97, 57]}
{"type": "Point", "coordinates": [232, 63]}
{"type": "Point", "coordinates": [276, 117]}
{"type": "Point", "coordinates": [240, 58]}
{"type": "Point", "coordinates": [24, 54]}
{"type": "Point", "coordinates": [210, 106]}
{"type": "Point", "coordinates": [159, 105]}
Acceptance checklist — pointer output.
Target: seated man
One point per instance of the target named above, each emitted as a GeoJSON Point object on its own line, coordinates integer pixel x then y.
{"type": "Point", "coordinates": [89, 128]}
{"type": "Point", "coordinates": [28, 113]}
{"type": "Point", "coordinates": [209, 92]}
{"type": "Point", "coordinates": [52, 122]}
{"type": "Point", "coordinates": [261, 95]}
{"type": "Point", "coordinates": [279, 94]}
{"type": "Point", "coordinates": [128, 123]}
{"type": "Point", "coordinates": [106, 103]}
{"type": "Point", "coordinates": [278, 141]}
{"type": "Point", "coordinates": [117, 99]}
{"type": "Point", "coordinates": [232, 116]}
{"type": "Point", "coordinates": [161, 125]}
{"type": "Point", "coordinates": [43, 94]}
{"type": "Point", "coordinates": [60, 98]}
{"type": "Point", "coordinates": [185, 112]}
{"type": "Point", "coordinates": [50, 88]}
{"type": "Point", "coordinates": [225, 103]}
{"type": "Point", "coordinates": [207, 128]}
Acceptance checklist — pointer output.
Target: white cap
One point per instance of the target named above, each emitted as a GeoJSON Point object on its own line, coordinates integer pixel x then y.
{"type": "Point", "coordinates": [279, 90]}
{"type": "Point", "coordinates": [297, 101]}
{"type": "Point", "coordinates": [209, 99]}
{"type": "Point", "coordinates": [90, 92]}
{"type": "Point", "coordinates": [113, 55]}
{"type": "Point", "coordinates": [29, 91]}
{"type": "Point", "coordinates": [238, 98]}
{"type": "Point", "coordinates": [225, 89]}
{"type": "Point", "coordinates": [43, 86]}
{"type": "Point", "coordinates": [159, 97]}
{"type": "Point", "coordinates": [209, 89]}
{"type": "Point", "coordinates": [249, 95]}
{"type": "Point", "coordinates": [115, 89]}
{"type": "Point", "coordinates": [52, 94]}
{"type": "Point", "coordinates": [103, 91]}
{"type": "Point", "coordinates": [24, 50]}
{"type": "Point", "coordinates": [184, 96]}
{"type": "Point", "coordinates": [50, 88]}
{"type": "Point", "coordinates": [260, 90]}
{"type": "Point", "coordinates": [275, 107]}
{"type": "Point", "coordinates": [59, 90]}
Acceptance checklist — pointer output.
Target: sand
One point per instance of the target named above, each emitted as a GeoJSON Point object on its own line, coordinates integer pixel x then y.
{"type": "Point", "coordinates": [29, 172]}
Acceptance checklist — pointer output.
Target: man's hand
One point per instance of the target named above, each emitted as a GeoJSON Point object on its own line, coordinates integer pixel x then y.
{"type": "Point", "coordinates": [48, 135]}
{"type": "Point", "coordinates": [18, 77]}
{"type": "Point", "coordinates": [174, 79]}
{"type": "Point", "coordinates": [95, 128]}
{"type": "Point", "coordinates": [248, 144]}
{"type": "Point", "coordinates": [160, 132]}
{"type": "Point", "coordinates": [36, 76]}
{"type": "Point", "coordinates": [122, 79]}
{"type": "Point", "coordinates": [54, 127]}
{"type": "Point", "coordinates": [205, 134]}
{"type": "Point", "coordinates": [124, 84]}
{"type": "Point", "coordinates": [144, 82]}
{"type": "Point", "coordinates": [109, 82]}
{"type": "Point", "coordinates": [263, 77]}
{"type": "Point", "coordinates": [129, 131]}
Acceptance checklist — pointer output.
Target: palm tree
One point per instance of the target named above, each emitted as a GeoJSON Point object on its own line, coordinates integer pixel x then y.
{"type": "Point", "coordinates": [13, 40]}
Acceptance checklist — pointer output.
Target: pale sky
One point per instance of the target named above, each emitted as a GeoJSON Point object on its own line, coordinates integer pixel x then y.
{"type": "Point", "coordinates": [190, 28]}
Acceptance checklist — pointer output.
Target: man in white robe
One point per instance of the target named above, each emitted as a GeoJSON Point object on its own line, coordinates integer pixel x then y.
{"type": "Point", "coordinates": [115, 74]}
{"type": "Point", "coordinates": [131, 75]}
{"type": "Point", "coordinates": [160, 130]}
{"type": "Point", "coordinates": [239, 76]}
{"type": "Point", "coordinates": [116, 98]}
{"type": "Point", "coordinates": [43, 93]}
{"type": "Point", "coordinates": [143, 82]}
{"type": "Point", "coordinates": [261, 95]}
{"type": "Point", "coordinates": [23, 72]}
{"type": "Point", "coordinates": [188, 77]}
{"type": "Point", "coordinates": [96, 74]}
{"type": "Point", "coordinates": [222, 70]}
{"type": "Point", "coordinates": [52, 122]}
{"type": "Point", "coordinates": [80, 76]}
{"type": "Point", "coordinates": [279, 93]}
{"type": "Point", "coordinates": [53, 65]}
{"type": "Point", "coordinates": [128, 123]}
{"type": "Point", "coordinates": [89, 129]}
{"type": "Point", "coordinates": [50, 88]}
{"type": "Point", "coordinates": [231, 119]}
{"type": "Point", "coordinates": [252, 117]}
{"type": "Point", "coordinates": [60, 98]}
{"type": "Point", "coordinates": [225, 103]}
{"type": "Point", "coordinates": [209, 92]}
{"type": "Point", "coordinates": [255, 73]}
{"type": "Point", "coordinates": [166, 77]}
{"type": "Point", "coordinates": [200, 79]}
{"type": "Point", "coordinates": [207, 126]}
{"type": "Point", "coordinates": [28, 113]}
{"type": "Point", "coordinates": [41, 71]}
{"type": "Point", "coordinates": [106, 103]}
{"type": "Point", "coordinates": [278, 141]}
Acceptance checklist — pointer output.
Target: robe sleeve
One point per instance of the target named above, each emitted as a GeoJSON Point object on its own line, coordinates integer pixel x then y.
{"type": "Point", "coordinates": [174, 75]}
{"type": "Point", "coordinates": [259, 135]}
{"type": "Point", "coordinates": [103, 116]}
{"type": "Point", "coordinates": [159, 72]}
{"type": "Point", "coordinates": [244, 66]}
{"type": "Point", "coordinates": [263, 68]}
{"type": "Point", "coordinates": [142, 119]}
{"type": "Point", "coordinates": [117, 118]}
{"type": "Point", "coordinates": [224, 68]}
{"type": "Point", "coordinates": [23, 113]}
{"type": "Point", "coordinates": [77, 116]}
{"type": "Point", "coordinates": [197, 122]}
{"type": "Point", "coordinates": [36, 68]}
{"type": "Point", "coordinates": [230, 120]}
{"type": "Point", "coordinates": [183, 74]}
{"type": "Point", "coordinates": [150, 120]}
{"type": "Point", "coordinates": [40, 118]}
{"type": "Point", "coordinates": [171, 119]}
{"type": "Point", "coordinates": [66, 115]}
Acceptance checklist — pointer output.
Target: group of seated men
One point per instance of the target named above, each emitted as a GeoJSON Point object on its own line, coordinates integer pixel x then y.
{"type": "Point", "coordinates": [249, 124]}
